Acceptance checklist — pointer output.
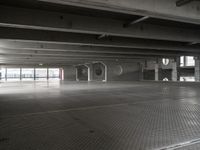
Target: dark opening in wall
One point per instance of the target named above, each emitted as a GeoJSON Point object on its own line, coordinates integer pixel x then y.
{"type": "Point", "coordinates": [98, 71]}
{"type": "Point", "coordinates": [82, 73]}
{"type": "Point", "coordinates": [149, 74]}
{"type": "Point", "coordinates": [165, 74]}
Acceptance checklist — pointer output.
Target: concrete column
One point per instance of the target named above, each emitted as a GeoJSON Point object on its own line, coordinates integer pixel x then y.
{"type": "Point", "coordinates": [77, 74]}
{"type": "Point", "coordinates": [156, 72]}
{"type": "Point", "coordinates": [60, 74]}
{"type": "Point", "coordinates": [6, 74]}
{"type": "Point", "coordinates": [20, 73]}
{"type": "Point", "coordinates": [185, 61]}
{"type": "Point", "coordinates": [174, 70]}
{"type": "Point", "coordinates": [106, 72]}
{"type": "Point", "coordinates": [0, 73]}
{"type": "Point", "coordinates": [47, 73]}
{"type": "Point", "coordinates": [197, 69]}
{"type": "Point", "coordinates": [90, 72]}
{"type": "Point", "coordinates": [69, 73]}
{"type": "Point", "coordinates": [34, 74]}
{"type": "Point", "coordinates": [141, 71]}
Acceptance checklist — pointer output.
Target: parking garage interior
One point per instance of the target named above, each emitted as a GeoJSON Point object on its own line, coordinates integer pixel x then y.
{"type": "Point", "coordinates": [99, 75]}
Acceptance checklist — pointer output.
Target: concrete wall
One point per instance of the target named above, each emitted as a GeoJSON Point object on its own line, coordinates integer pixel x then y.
{"type": "Point", "coordinates": [164, 71]}
{"type": "Point", "coordinates": [150, 65]}
{"type": "Point", "coordinates": [116, 71]}
{"type": "Point", "coordinates": [123, 71]}
{"type": "Point", "coordinates": [69, 73]}
{"type": "Point", "coordinates": [149, 75]}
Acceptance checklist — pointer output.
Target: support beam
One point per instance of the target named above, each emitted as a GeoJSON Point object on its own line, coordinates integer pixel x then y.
{"type": "Point", "coordinates": [23, 35]}
{"type": "Point", "coordinates": [183, 2]}
{"type": "Point", "coordinates": [165, 9]}
{"type": "Point", "coordinates": [106, 72]}
{"type": "Point", "coordinates": [136, 21]}
{"type": "Point", "coordinates": [50, 21]}
{"type": "Point", "coordinates": [76, 56]}
{"type": "Point", "coordinates": [192, 43]}
{"type": "Point", "coordinates": [90, 72]}
{"type": "Point", "coordinates": [141, 71]}
{"type": "Point", "coordinates": [20, 73]}
{"type": "Point", "coordinates": [6, 73]}
{"type": "Point", "coordinates": [156, 71]}
{"type": "Point", "coordinates": [32, 48]}
{"type": "Point", "coordinates": [174, 71]}
{"type": "Point", "coordinates": [197, 69]}
{"type": "Point", "coordinates": [14, 59]}
{"type": "Point", "coordinates": [102, 36]}
{"type": "Point", "coordinates": [34, 74]}
{"type": "Point", "coordinates": [76, 74]}
{"type": "Point", "coordinates": [47, 73]}
{"type": "Point", "coordinates": [92, 51]}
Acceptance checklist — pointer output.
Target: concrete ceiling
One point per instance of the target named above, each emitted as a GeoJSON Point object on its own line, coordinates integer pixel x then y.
{"type": "Point", "coordinates": [70, 32]}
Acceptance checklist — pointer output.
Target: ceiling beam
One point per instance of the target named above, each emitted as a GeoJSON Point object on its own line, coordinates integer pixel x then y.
{"type": "Point", "coordinates": [98, 51]}
{"type": "Point", "coordinates": [7, 45]}
{"type": "Point", "coordinates": [54, 60]}
{"type": "Point", "coordinates": [36, 63]}
{"type": "Point", "coordinates": [192, 43]}
{"type": "Point", "coordinates": [183, 2]}
{"type": "Point", "coordinates": [51, 21]}
{"type": "Point", "coordinates": [153, 8]}
{"type": "Point", "coordinates": [136, 21]}
{"type": "Point", "coordinates": [102, 36]}
{"type": "Point", "coordinates": [11, 34]}
{"type": "Point", "coordinates": [74, 56]}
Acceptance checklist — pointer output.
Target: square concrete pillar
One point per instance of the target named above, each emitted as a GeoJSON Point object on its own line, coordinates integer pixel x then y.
{"type": "Point", "coordinates": [141, 71]}
{"type": "Point", "coordinates": [90, 72]}
{"type": "Point", "coordinates": [197, 69]}
{"type": "Point", "coordinates": [77, 74]}
{"type": "Point", "coordinates": [156, 72]}
{"type": "Point", "coordinates": [106, 73]}
{"type": "Point", "coordinates": [174, 71]}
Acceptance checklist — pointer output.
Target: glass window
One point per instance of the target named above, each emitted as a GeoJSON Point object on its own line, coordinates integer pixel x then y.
{"type": "Point", "coordinates": [54, 73]}
{"type": "Point", "coordinates": [13, 73]}
{"type": "Point", "coordinates": [187, 61]}
{"type": "Point", "coordinates": [187, 79]}
{"type": "Point", "coordinates": [27, 73]}
{"type": "Point", "coordinates": [2, 73]}
{"type": "Point", "coordinates": [165, 61]}
{"type": "Point", "coordinates": [30, 73]}
{"type": "Point", "coordinates": [190, 61]}
{"type": "Point", "coordinates": [182, 58]}
{"type": "Point", "coordinates": [41, 73]}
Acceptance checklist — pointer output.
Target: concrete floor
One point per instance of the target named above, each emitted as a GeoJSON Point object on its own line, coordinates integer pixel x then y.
{"type": "Point", "coordinates": [99, 116]}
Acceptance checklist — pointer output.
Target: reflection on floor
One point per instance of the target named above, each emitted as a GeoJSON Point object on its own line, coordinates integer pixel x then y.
{"type": "Point", "coordinates": [99, 116]}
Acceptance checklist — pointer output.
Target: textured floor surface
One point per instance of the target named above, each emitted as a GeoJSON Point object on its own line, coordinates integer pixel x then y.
{"type": "Point", "coordinates": [99, 116]}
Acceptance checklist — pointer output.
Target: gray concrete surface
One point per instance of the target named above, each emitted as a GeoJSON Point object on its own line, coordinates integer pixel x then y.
{"type": "Point", "coordinates": [99, 116]}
